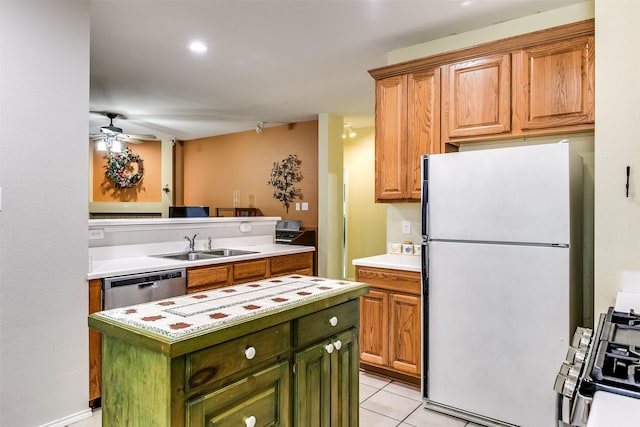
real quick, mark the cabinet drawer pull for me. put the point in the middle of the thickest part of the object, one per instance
(250, 353)
(333, 321)
(250, 422)
(329, 348)
(337, 345)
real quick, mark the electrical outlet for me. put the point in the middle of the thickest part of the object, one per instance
(297, 206)
(406, 227)
(305, 206)
(97, 233)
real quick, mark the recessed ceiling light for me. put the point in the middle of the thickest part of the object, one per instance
(198, 47)
(466, 3)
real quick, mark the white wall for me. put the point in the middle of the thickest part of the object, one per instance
(617, 218)
(44, 87)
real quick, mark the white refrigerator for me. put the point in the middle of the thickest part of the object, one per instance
(502, 280)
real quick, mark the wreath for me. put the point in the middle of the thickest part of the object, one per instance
(119, 168)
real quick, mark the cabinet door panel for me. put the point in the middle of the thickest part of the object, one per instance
(345, 380)
(423, 124)
(246, 271)
(556, 84)
(312, 387)
(208, 277)
(477, 97)
(374, 328)
(391, 138)
(291, 264)
(404, 337)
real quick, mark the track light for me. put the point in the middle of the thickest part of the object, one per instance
(259, 127)
(348, 132)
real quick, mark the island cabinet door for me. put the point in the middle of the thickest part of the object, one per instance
(326, 382)
(261, 399)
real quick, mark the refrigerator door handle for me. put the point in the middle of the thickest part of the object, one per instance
(425, 196)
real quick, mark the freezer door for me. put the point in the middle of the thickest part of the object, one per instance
(498, 327)
(517, 194)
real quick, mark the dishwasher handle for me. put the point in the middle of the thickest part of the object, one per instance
(152, 285)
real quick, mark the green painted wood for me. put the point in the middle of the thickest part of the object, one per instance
(146, 380)
(136, 386)
(312, 387)
(345, 380)
(264, 396)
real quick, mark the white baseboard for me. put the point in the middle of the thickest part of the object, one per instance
(63, 422)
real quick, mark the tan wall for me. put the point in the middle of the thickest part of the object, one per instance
(148, 190)
(216, 166)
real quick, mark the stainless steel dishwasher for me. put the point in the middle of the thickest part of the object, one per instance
(132, 289)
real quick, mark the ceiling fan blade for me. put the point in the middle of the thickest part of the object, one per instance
(141, 137)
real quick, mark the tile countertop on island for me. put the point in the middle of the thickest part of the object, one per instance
(391, 261)
(141, 264)
(174, 320)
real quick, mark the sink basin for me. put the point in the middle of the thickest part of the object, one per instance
(187, 256)
(200, 255)
(226, 252)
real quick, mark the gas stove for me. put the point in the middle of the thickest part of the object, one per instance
(605, 361)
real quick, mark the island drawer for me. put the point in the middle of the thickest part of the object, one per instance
(214, 363)
(260, 399)
(325, 323)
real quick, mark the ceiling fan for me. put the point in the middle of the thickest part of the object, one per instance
(111, 138)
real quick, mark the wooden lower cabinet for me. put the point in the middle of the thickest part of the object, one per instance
(95, 344)
(291, 264)
(326, 382)
(390, 323)
(209, 277)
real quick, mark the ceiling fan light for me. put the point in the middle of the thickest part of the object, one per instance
(101, 145)
(116, 146)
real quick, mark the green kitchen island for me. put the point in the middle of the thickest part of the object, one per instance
(277, 352)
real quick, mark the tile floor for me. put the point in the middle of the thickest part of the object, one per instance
(383, 403)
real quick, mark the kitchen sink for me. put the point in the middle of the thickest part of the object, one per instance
(187, 256)
(200, 255)
(226, 252)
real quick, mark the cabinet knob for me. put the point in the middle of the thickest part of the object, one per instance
(250, 422)
(250, 353)
(329, 348)
(337, 345)
(333, 321)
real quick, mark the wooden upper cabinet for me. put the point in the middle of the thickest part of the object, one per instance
(423, 124)
(555, 84)
(391, 131)
(407, 126)
(476, 97)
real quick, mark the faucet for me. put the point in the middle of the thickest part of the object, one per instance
(192, 242)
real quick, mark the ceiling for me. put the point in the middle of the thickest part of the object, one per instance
(272, 61)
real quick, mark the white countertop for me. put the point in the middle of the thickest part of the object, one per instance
(141, 264)
(392, 261)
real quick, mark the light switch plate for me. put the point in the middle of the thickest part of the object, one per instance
(305, 206)
(297, 206)
(406, 227)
